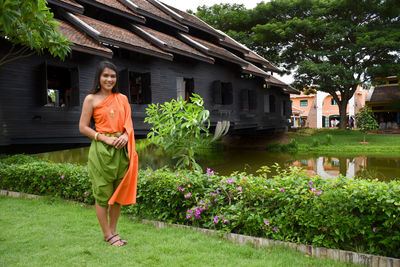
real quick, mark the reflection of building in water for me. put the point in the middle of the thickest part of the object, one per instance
(332, 167)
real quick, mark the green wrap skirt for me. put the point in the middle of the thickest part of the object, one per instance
(106, 166)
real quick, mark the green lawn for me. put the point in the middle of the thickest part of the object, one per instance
(345, 141)
(48, 232)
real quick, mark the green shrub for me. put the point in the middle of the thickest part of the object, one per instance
(328, 139)
(315, 142)
(343, 213)
(34, 176)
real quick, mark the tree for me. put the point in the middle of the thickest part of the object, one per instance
(178, 126)
(331, 45)
(30, 27)
(365, 120)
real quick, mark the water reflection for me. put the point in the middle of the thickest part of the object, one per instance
(224, 162)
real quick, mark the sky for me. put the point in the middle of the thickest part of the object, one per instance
(193, 4)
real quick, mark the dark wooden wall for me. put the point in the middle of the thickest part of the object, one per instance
(24, 121)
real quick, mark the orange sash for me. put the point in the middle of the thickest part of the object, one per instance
(112, 115)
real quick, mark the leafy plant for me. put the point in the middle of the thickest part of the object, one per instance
(30, 27)
(180, 128)
(365, 120)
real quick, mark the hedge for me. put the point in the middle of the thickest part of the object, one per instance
(357, 215)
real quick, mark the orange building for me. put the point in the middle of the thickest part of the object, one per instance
(320, 110)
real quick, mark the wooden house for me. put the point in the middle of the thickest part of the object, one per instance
(161, 53)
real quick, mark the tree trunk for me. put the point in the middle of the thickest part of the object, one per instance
(342, 112)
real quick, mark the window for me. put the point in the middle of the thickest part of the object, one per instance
(222, 93)
(60, 86)
(333, 102)
(303, 103)
(184, 88)
(248, 99)
(136, 86)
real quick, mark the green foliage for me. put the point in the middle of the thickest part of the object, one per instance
(30, 27)
(365, 120)
(343, 213)
(290, 147)
(179, 127)
(328, 139)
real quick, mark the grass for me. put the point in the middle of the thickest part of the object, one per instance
(334, 140)
(51, 232)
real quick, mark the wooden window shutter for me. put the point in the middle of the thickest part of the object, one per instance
(266, 103)
(123, 83)
(244, 99)
(180, 88)
(272, 103)
(217, 92)
(75, 99)
(252, 99)
(227, 94)
(42, 95)
(146, 87)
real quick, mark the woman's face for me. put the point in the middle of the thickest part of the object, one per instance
(108, 79)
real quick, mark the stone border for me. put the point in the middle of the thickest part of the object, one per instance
(318, 252)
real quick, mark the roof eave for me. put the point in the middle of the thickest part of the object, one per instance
(92, 51)
(139, 19)
(70, 8)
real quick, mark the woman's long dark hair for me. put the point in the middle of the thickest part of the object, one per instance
(96, 83)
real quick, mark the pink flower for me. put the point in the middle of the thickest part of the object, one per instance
(310, 182)
(177, 174)
(148, 175)
(188, 195)
(217, 192)
(221, 181)
(190, 211)
(239, 188)
(225, 221)
(62, 176)
(188, 216)
(86, 193)
(319, 193)
(266, 222)
(265, 187)
(210, 172)
(281, 189)
(373, 229)
(312, 189)
(44, 176)
(215, 219)
(201, 202)
(180, 188)
(275, 228)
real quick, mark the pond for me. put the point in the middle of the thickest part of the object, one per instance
(226, 161)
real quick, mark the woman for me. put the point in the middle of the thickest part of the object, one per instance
(113, 161)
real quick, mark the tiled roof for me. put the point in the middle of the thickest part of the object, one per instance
(68, 4)
(147, 9)
(123, 38)
(193, 21)
(274, 81)
(81, 41)
(172, 44)
(117, 7)
(212, 49)
(232, 43)
(385, 93)
(253, 57)
(251, 69)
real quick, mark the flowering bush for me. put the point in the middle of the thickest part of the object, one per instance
(343, 213)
